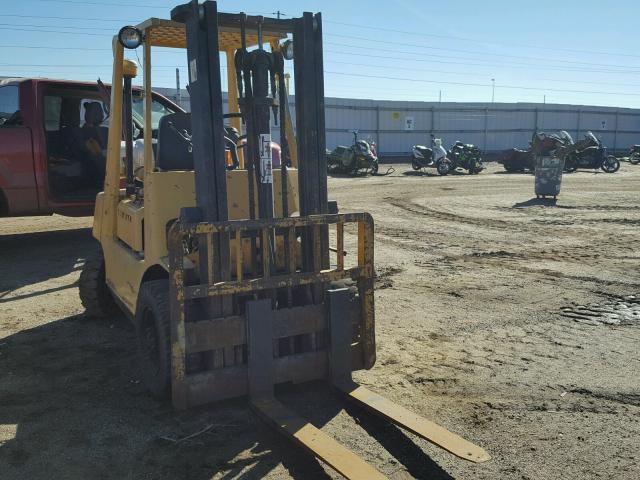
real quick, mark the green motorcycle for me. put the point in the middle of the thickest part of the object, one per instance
(466, 156)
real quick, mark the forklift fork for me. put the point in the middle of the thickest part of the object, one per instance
(341, 459)
(340, 371)
(338, 457)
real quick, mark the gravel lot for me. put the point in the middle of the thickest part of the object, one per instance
(513, 323)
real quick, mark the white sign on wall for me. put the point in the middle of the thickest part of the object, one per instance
(409, 123)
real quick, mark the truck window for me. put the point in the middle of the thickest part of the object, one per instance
(83, 102)
(9, 102)
(52, 110)
(76, 133)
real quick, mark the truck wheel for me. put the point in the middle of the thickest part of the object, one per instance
(154, 336)
(94, 293)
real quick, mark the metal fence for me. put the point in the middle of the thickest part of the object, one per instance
(396, 126)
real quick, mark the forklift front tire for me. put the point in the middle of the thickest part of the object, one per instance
(153, 337)
(94, 293)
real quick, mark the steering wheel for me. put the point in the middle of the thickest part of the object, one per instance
(232, 143)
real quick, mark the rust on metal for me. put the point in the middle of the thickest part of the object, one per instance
(340, 246)
(239, 258)
(177, 314)
(277, 281)
(222, 342)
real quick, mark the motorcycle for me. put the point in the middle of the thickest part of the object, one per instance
(634, 154)
(434, 156)
(360, 156)
(589, 153)
(550, 145)
(466, 156)
(517, 160)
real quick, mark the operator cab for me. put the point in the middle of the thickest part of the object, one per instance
(163, 154)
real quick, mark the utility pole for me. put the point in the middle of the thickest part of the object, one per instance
(278, 14)
(440, 97)
(178, 93)
(493, 89)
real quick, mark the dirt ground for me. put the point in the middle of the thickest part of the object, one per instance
(512, 323)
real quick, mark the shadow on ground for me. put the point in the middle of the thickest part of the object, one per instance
(504, 172)
(37, 257)
(537, 202)
(79, 411)
(73, 402)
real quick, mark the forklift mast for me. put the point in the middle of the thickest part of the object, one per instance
(257, 72)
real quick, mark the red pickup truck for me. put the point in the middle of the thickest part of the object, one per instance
(53, 140)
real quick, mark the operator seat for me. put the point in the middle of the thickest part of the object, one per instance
(174, 150)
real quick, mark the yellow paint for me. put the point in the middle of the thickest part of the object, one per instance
(133, 232)
(129, 69)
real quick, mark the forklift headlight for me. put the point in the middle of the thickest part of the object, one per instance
(130, 37)
(287, 49)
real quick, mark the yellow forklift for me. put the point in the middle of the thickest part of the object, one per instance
(227, 274)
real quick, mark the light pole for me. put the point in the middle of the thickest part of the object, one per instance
(493, 89)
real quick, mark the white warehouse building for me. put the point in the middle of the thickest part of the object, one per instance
(397, 125)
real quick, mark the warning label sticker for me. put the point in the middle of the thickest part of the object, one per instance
(266, 164)
(193, 71)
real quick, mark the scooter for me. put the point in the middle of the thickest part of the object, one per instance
(634, 155)
(590, 153)
(436, 156)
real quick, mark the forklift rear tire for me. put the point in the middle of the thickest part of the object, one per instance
(153, 337)
(94, 293)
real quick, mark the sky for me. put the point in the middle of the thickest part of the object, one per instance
(575, 52)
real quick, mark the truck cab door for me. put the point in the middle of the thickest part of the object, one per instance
(17, 176)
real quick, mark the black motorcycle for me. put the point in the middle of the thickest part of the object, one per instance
(466, 156)
(359, 157)
(634, 154)
(590, 153)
